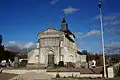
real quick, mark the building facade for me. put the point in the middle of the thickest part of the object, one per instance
(56, 45)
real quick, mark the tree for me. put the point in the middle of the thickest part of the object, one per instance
(84, 52)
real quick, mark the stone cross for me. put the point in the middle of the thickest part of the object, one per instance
(50, 26)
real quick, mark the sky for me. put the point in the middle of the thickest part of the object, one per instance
(21, 20)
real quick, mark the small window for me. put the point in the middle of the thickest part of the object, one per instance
(61, 57)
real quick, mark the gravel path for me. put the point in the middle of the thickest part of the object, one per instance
(33, 76)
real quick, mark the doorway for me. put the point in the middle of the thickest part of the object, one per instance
(50, 59)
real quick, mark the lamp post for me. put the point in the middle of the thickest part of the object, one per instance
(102, 36)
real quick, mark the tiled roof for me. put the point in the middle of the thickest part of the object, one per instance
(14, 51)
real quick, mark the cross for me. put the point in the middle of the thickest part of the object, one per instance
(50, 26)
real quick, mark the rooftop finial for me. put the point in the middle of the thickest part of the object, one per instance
(50, 26)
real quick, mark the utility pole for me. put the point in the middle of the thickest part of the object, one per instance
(102, 36)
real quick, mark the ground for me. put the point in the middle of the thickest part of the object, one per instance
(6, 76)
(117, 78)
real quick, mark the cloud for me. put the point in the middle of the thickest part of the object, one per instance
(114, 45)
(53, 2)
(116, 22)
(28, 45)
(70, 10)
(96, 17)
(111, 19)
(78, 34)
(13, 45)
(111, 22)
(114, 30)
(11, 42)
(113, 48)
(91, 33)
(106, 18)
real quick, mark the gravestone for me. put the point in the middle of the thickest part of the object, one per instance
(16, 62)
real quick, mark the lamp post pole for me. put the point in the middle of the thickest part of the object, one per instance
(102, 36)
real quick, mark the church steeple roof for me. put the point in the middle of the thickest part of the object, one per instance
(63, 20)
(64, 27)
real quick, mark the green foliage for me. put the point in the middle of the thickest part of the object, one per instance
(6, 55)
(84, 52)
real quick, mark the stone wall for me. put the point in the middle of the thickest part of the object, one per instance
(114, 70)
(62, 74)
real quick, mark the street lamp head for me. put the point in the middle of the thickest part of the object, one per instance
(100, 4)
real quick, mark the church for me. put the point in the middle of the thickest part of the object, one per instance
(54, 46)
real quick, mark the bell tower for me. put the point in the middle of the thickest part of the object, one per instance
(64, 25)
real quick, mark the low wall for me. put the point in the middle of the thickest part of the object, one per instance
(17, 71)
(114, 70)
(110, 72)
(62, 74)
(75, 74)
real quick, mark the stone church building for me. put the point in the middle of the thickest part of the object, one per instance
(54, 46)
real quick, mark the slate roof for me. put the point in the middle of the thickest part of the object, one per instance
(14, 51)
(69, 38)
(68, 32)
(63, 20)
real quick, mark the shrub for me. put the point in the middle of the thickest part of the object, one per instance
(61, 64)
(57, 75)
